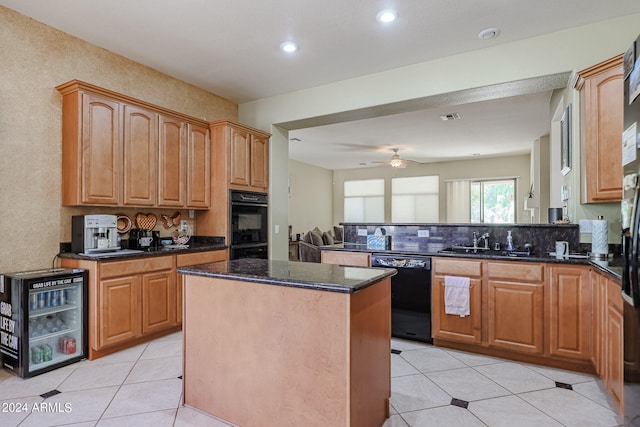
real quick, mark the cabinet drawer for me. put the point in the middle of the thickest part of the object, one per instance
(135, 266)
(201, 258)
(522, 272)
(457, 267)
(358, 259)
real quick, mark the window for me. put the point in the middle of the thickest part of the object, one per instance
(364, 200)
(415, 199)
(492, 201)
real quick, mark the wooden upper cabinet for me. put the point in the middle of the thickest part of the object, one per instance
(248, 156)
(198, 167)
(91, 149)
(259, 161)
(601, 117)
(100, 150)
(171, 162)
(240, 169)
(119, 151)
(140, 153)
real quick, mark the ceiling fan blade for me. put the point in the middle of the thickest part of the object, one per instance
(412, 162)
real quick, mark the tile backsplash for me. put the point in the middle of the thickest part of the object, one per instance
(434, 237)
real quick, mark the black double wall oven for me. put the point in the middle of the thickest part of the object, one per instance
(249, 226)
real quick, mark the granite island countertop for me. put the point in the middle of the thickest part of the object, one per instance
(326, 277)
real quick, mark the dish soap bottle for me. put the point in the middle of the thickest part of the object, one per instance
(509, 245)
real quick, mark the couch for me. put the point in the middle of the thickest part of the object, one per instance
(309, 246)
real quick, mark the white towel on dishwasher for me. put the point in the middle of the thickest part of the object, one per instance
(456, 295)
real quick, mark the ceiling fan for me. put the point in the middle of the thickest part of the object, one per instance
(397, 162)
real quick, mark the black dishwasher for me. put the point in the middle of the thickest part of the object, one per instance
(410, 295)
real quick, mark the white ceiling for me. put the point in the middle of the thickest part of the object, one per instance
(231, 48)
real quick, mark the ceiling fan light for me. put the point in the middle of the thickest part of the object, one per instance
(395, 163)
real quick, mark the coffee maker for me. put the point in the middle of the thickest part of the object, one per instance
(141, 238)
(94, 233)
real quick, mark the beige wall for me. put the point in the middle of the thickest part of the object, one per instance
(310, 197)
(35, 59)
(509, 166)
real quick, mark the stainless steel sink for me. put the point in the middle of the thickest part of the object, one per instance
(482, 251)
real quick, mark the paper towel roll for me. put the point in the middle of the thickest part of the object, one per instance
(600, 236)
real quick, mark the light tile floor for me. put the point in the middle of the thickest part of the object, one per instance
(141, 386)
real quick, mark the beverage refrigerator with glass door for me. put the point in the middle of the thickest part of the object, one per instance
(43, 322)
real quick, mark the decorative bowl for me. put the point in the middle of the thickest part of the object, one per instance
(181, 237)
(180, 240)
(166, 241)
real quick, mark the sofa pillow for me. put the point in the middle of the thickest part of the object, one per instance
(328, 238)
(316, 238)
(307, 238)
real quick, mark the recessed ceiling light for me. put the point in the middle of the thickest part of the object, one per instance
(386, 16)
(289, 47)
(489, 33)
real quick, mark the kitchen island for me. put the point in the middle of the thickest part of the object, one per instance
(287, 343)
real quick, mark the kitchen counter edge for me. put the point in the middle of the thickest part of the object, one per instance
(196, 247)
(324, 277)
(615, 271)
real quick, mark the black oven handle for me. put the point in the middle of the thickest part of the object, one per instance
(259, 205)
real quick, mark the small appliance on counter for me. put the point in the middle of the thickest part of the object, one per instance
(140, 238)
(94, 233)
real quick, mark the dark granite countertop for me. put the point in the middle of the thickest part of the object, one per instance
(613, 266)
(325, 277)
(149, 252)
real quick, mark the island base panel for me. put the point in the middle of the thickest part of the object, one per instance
(286, 356)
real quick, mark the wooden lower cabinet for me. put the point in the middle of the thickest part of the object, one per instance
(598, 322)
(614, 344)
(467, 329)
(569, 305)
(515, 306)
(515, 320)
(534, 312)
(356, 259)
(134, 300)
(568, 316)
(119, 311)
(158, 301)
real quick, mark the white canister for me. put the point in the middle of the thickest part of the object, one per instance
(562, 249)
(600, 236)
